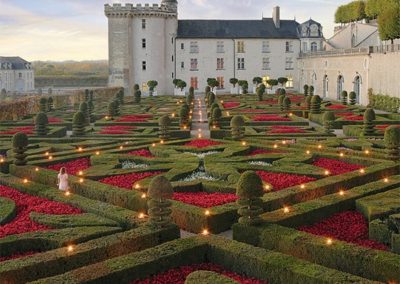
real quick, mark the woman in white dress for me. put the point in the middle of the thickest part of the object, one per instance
(63, 180)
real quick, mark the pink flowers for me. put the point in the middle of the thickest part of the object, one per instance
(25, 205)
(337, 107)
(135, 118)
(204, 199)
(270, 117)
(117, 129)
(348, 226)
(282, 129)
(127, 181)
(202, 143)
(336, 167)
(229, 105)
(179, 275)
(280, 181)
(141, 153)
(28, 130)
(72, 167)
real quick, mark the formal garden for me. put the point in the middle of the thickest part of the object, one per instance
(282, 187)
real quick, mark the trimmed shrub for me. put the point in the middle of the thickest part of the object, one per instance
(260, 93)
(111, 109)
(92, 117)
(159, 191)
(392, 142)
(164, 122)
(305, 88)
(41, 124)
(286, 103)
(207, 89)
(343, 96)
(78, 124)
(50, 104)
(211, 98)
(315, 104)
(352, 98)
(311, 91)
(237, 127)
(328, 119)
(43, 104)
(233, 81)
(117, 107)
(87, 95)
(120, 96)
(138, 96)
(250, 190)
(184, 115)
(282, 92)
(20, 144)
(369, 125)
(308, 102)
(85, 110)
(282, 80)
(216, 116)
(280, 101)
(191, 91)
(152, 84)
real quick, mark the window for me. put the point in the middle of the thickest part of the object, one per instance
(143, 23)
(220, 47)
(304, 47)
(183, 65)
(266, 64)
(221, 82)
(194, 47)
(144, 65)
(314, 47)
(289, 63)
(240, 47)
(193, 64)
(241, 63)
(289, 83)
(194, 83)
(182, 46)
(289, 46)
(172, 40)
(20, 75)
(172, 58)
(265, 47)
(220, 63)
(143, 43)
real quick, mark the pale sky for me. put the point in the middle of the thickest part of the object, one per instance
(77, 29)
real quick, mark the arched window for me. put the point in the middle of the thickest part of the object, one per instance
(289, 83)
(314, 47)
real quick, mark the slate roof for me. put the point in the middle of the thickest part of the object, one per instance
(17, 63)
(264, 28)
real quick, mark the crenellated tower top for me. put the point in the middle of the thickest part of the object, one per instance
(168, 8)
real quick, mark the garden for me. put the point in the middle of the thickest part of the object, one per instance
(286, 188)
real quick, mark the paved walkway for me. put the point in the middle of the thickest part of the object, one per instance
(200, 127)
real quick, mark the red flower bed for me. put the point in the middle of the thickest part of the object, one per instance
(55, 120)
(229, 105)
(179, 275)
(25, 205)
(127, 181)
(72, 167)
(202, 143)
(336, 167)
(141, 153)
(282, 180)
(296, 99)
(252, 110)
(350, 116)
(28, 130)
(256, 152)
(337, 107)
(17, 255)
(348, 226)
(281, 129)
(384, 126)
(270, 117)
(135, 118)
(204, 199)
(341, 114)
(116, 129)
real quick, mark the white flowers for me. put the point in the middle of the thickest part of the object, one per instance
(260, 163)
(126, 165)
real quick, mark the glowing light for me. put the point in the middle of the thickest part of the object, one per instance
(319, 146)
(80, 149)
(153, 145)
(286, 209)
(366, 152)
(214, 127)
(290, 114)
(70, 248)
(126, 143)
(81, 180)
(50, 157)
(308, 152)
(386, 180)
(67, 193)
(141, 215)
(199, 135)
(1, 160)
(173, 115)
(222, 102)
(121, 147)
(25, 180)
(36, 169)
(80, 173)
(47, 153)
(144, 195)
(207, 213)
(303, 186)
(329, 241)
(227, 113)
(284, 142)
(137, 186)
(341, 192)
(244, 143)
(341, 154)
(267, 187)
(362, 171)
(275, 146)
(327, 173)
(185, 127)
(107, 117)
(97, 153)
(162, 142)
(205, 232)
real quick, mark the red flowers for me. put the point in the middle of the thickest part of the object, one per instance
(350, 116)
(252, 110)
(270, 117)
(281, 129)
(281, 180)
(348, 226)
(256, 152)
(337, 107)
(204, 199)
(135, 118)
(229, 105)
(28, 130)
(116, 129)
(54, 120)
(179, 275)
(336, 167)
(17, 255)
(25, 205)
(141, 153)
(127, 181)
(202, 143)
(72, 167)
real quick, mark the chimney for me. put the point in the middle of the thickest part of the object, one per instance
(276, 16)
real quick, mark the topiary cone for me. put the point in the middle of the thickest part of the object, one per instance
(164, 122)
(41, 124)
(43, 105)
(78, 124)
(392, 142)
(328, 119)
(237, 127)
(20, 144)
(159, 191)
(315, 104)
(83, 107)
(369, 124)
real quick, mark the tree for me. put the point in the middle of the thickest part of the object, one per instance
(260, 93)
(213, 83)
(181, 85)
(343, 96)
(184, 115)
(41, 124)
(351, 12)
(250, 190)
(164, 122)
(272, 83)
(305, 88)
(85, 110)
(112, 109)
(211, 99)
(352, 98)
(392, 142)
(92, 117)
(328, 119)
(152, 84)
(244, 85)
(316, 104)
(369, 124)
(78, 124)
(216, 116)
(138, 96)
(286, 103)
(237, 127)
(373, 8)
(282, 80)
(43, 104)
(50, 104)
(159, 192)
(257, 80)
(311, 91)
(175, 82)
(20, 144)
(389, 21)
(233, 81)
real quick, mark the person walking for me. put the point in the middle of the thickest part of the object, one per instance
(63, 180)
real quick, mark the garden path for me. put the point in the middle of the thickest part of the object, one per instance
(200, 120)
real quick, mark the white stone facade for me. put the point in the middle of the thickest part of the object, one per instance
(16, 75)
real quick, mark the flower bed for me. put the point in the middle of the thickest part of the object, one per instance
(28, 130)
(55, 120)
(256, 152)
(17, 255)
(350, 116)
(348, 226)
(336, 107)
(25, 205)
(229, 105)
(116, 129)
(202, 143)
(141, 153)
(127, 181)
(383, 127)
(179, 275)
(336, 167)
(268, 102)
(280, 181)
(282, 129)
(270, 117)
(72, 167)
(204, 199)
(135, 118)
(252, 110)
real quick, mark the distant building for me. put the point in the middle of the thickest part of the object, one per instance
(16, 75)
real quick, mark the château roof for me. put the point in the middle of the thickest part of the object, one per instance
(14, 63)
(264, 28)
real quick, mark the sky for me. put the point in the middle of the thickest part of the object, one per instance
(77, 29)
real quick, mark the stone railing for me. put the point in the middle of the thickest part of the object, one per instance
(353, 51)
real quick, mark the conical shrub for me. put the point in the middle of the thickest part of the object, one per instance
(20, 144)
(41, 124)
(159, 192)
(79, 124)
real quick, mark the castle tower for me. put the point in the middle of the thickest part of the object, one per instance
(142, 45)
